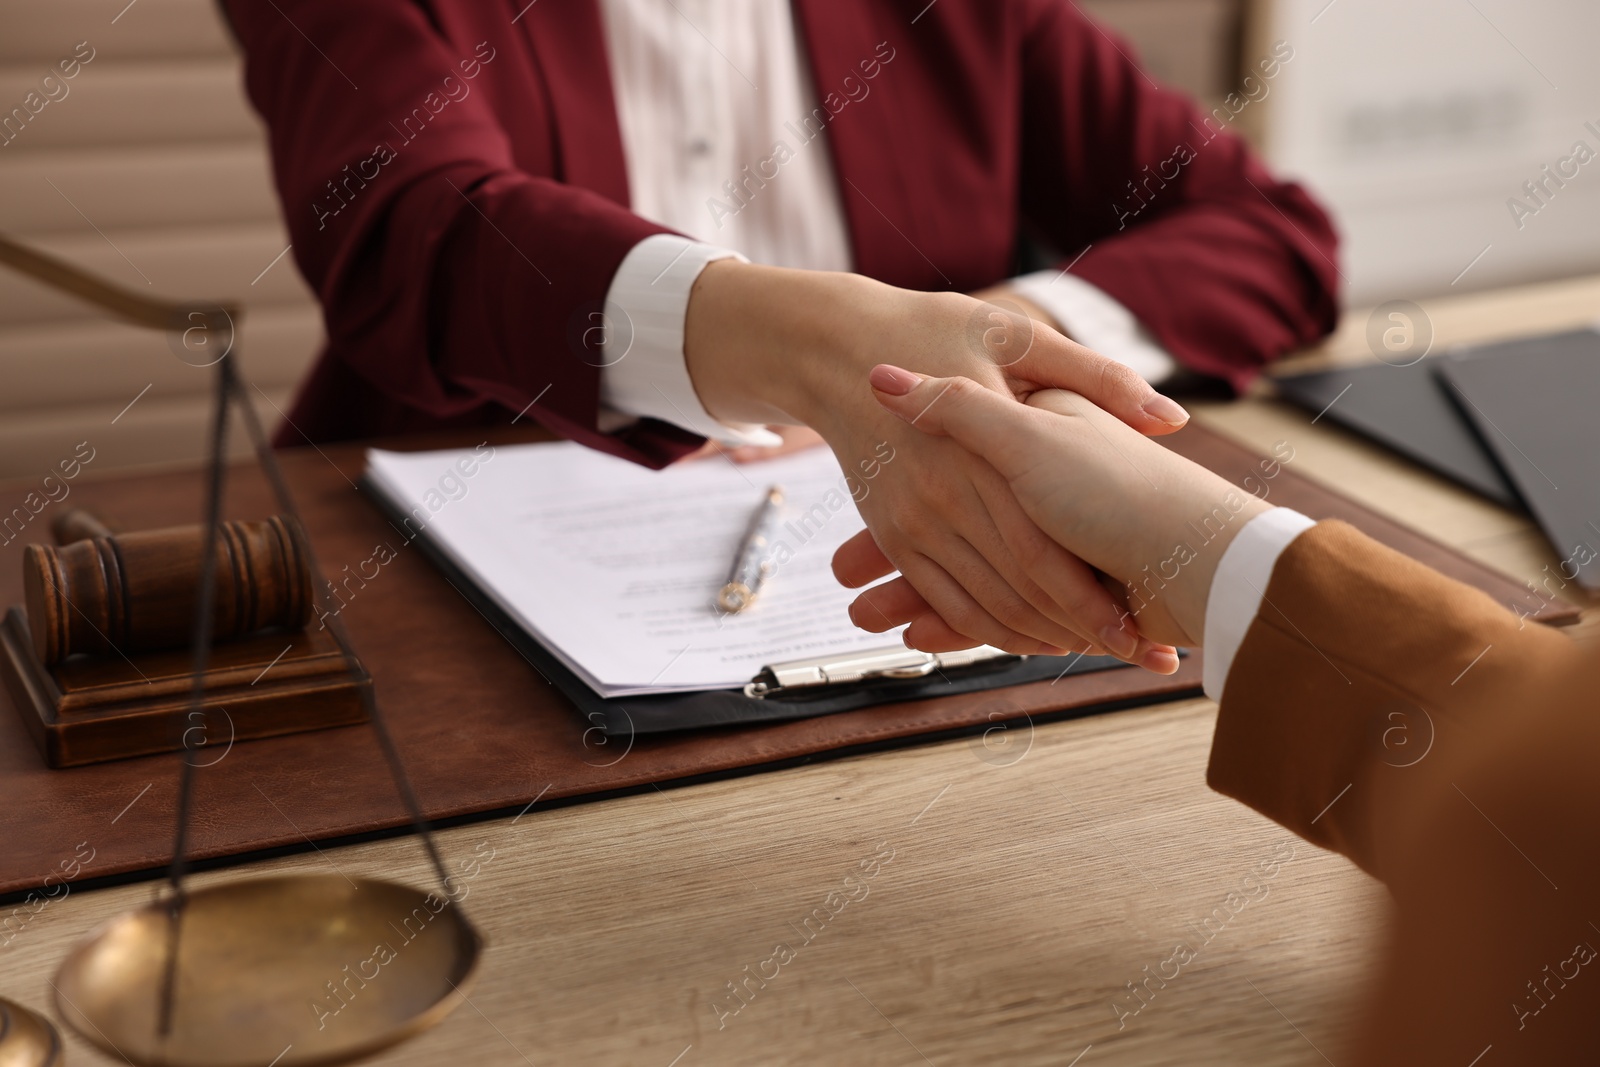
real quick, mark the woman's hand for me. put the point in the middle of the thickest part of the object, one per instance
(769, 345)
(1153, 521)
(1009, 299)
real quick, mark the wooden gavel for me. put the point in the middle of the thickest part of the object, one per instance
(104, 593)
(94, 661)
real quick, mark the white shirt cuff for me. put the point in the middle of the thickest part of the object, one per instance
(1238, 586)
(645, 310)
(1096, 320)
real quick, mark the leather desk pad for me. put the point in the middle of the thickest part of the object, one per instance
(481, 732)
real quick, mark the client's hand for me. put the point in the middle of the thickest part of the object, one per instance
(1151, 520)
(767, 345)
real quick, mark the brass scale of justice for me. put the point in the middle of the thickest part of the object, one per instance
(222, 975)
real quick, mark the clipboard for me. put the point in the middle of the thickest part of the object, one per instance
(636, 716)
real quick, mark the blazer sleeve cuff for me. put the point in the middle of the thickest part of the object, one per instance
(1238, 586)
(1097, 320)
(645, 309)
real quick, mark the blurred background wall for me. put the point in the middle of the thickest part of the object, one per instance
(151, 171)
(1417, 121)
(1420, 122)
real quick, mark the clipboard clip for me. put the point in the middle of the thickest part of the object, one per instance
(846, 669)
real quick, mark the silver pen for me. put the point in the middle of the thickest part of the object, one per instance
(896, 662)
(752, 565)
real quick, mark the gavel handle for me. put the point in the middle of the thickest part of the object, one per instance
(79, 524)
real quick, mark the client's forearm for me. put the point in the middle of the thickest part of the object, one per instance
(1156, 522)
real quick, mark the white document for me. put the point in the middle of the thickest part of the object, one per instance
(614, 568)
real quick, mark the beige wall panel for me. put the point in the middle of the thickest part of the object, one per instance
(1188, 44)
(135, 188)
(152, 172)
(112, 102)
(156, 430)
(146, 29)
(62, 364)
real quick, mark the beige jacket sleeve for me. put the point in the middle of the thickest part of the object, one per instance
(1451, 749)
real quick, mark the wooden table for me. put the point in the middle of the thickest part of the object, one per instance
(1034, 874)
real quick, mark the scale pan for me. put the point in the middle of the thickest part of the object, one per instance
(27, 1039)
(290, 970)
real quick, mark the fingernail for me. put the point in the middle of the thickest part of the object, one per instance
(1166, 409)
(893, 380)
(1161, 661)
(1120, 642)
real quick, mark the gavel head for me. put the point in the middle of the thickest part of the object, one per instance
(139, 592)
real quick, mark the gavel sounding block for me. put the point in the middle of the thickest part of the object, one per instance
(100, 666)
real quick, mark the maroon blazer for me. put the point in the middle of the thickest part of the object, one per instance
(455, 187)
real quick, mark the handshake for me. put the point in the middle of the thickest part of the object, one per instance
(1026, 508)
(1086, 530)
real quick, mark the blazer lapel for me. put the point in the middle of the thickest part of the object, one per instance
(881, 206)
(867, 137)
(566, 37)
